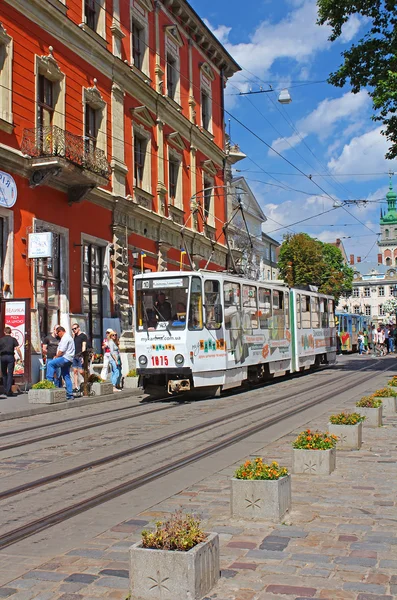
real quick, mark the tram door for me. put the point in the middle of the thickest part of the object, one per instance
(15, 313)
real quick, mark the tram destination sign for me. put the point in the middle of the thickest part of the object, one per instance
(173, 282)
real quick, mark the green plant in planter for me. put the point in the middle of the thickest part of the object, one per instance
(384, 393)
(368, 402)
(131, 373)
(346, 419)
(44, 385)
(257, 469)
(179, 532)
(315, 440)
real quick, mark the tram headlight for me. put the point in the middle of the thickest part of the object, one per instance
(142, 360)
(179, 360)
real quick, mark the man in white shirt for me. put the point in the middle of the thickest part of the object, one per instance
(63, 360)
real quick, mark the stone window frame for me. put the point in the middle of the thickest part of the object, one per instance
(172, 45)
(173, 155)
(86, 238)
(93, 98)
(49, 68)
(6, 59)
(206, 79)
(100, 28)
(368, 311)
(381, 290)
(139, 15)
(356, 292)
(142, 132)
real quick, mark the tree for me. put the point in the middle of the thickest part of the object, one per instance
(306, 261)
(372, 62)
(390, 307)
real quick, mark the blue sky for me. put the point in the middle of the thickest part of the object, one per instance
(326, 132)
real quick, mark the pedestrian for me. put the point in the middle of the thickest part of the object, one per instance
(80, 346)
(366, 341)
(50, 348)
(115, 361)
(106, 354)
(391, 338)
(8, 345)
(386, 334)
(360, 342)
(63, 360)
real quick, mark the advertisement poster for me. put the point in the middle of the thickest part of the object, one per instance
(15, 317)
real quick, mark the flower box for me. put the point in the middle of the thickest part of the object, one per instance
(314, 462)
(260, 499)
(349, 436)
(389, 404)
(373, 416)
(131, 383)
(172, 574)
(102, 389)
(54, 396)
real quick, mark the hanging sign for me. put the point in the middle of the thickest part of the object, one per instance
(15, 317)
(40, 245)
(8, 190)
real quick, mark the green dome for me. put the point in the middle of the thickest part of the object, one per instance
(390, 218)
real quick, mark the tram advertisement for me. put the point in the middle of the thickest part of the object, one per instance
(15, 317)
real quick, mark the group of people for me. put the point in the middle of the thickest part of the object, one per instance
(380, 340)
(65, 353)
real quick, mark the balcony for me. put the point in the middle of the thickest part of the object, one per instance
(71, 160)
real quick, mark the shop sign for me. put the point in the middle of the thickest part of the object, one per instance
(15, 317)
(40, 245)
(8, 190)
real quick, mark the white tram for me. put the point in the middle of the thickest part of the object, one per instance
(204, 329)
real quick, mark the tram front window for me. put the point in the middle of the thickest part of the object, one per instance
(162, 303)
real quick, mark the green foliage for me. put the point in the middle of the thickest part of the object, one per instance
(131, 373)
(93, 378)
(393, 381)
(306, 261)
(371, 62)
(256, 469)
(315, 440)
(368, 402)
(44, 385)
(346, 419)
(179, 532)
(384, 393)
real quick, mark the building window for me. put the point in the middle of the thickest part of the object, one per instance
(367, 292)
(367, 310)
(45, 113)
(139, 160)
(173, 174)
(91, 127)
(94, 120)
(356, 292)
(48, 283)
(206, 79)
(172, 76)
(138, 44)
(208, 189)
(356, 310)
(6, 51)
(205, 110)
(92, 293)
(387, 234)
(381, 311)
(381, 290)
(388, 262)
(90, 14)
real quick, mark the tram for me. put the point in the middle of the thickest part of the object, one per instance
(349, 325)
(204, 329)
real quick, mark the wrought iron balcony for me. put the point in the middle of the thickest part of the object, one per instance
(52, 141)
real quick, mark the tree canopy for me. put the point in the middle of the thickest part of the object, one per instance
(371, 63)
(306, 261)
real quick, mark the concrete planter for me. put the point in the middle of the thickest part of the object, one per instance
(260, 499)
(373, 416)
(350, 437)
(131, 383)
(314, 462)
(47, 396)
(388, 405)
(102, 389)
(174, 575)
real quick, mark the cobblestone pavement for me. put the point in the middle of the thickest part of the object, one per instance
(338, 543)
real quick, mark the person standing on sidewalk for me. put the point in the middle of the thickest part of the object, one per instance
(63, 360)
(115, 361)
(8, 345)
(50, 348)
(80, 346)
(386, 334)
(106, 355)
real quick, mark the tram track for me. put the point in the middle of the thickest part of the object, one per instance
(35, 526)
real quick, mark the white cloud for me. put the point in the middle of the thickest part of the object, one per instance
(221, 32)
(363, 154)
(330, 235)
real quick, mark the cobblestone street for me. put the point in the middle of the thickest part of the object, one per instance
(338, 543)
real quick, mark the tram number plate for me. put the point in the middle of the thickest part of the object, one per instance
(159, 361)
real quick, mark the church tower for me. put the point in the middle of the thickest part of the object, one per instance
(388, 230)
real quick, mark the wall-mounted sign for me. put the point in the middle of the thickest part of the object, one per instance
(40, 245)
(8, 190)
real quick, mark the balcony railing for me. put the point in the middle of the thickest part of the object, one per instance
(53, 141)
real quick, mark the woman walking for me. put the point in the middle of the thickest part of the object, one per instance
(115, 360)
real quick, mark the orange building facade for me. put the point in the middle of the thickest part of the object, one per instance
(112, 141)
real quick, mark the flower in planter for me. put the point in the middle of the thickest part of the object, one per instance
(179, 532)
(368, 402)
(393, 381)
(315, 440)
(44, 385)
(257, 469)
(346, 419)
(384, 393)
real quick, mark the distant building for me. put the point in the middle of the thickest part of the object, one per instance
(339, 244)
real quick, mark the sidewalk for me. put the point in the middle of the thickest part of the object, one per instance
(339, 542)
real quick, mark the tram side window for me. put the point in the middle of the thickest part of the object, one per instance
(286, 306)
(195, 321)
(305, 311)
(212, 296)
(331, 313)
(315, 312)
(298, 311)
(324, 312)
(278, 310)
(265, 308)
(354, 324)
(250, 309)
(232, 303)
